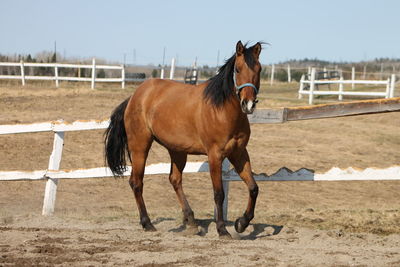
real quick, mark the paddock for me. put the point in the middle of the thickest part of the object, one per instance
(95, 220)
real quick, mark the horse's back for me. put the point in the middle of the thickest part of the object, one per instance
(171, 111)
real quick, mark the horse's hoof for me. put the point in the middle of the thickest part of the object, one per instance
(241, 224)
(223, 233)
(225, 236)
(149, 228)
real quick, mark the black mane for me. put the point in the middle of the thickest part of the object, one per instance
(220, 87)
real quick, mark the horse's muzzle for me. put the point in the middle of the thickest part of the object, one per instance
(248, 106)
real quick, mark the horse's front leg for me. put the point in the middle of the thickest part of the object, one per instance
(215, 162)
(241, 161)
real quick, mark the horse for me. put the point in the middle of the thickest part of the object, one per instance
(206, 119)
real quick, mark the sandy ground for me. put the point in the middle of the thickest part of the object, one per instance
(296, 223)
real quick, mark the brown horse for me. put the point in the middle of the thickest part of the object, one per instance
(208, 119)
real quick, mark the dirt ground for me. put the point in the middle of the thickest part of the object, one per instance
(296, 223)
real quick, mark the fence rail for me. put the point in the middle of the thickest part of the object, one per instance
(312, 83)
(53, 174)
(93, 67)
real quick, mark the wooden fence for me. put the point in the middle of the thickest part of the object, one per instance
(53, 174)
(312, 83)
(56, 78)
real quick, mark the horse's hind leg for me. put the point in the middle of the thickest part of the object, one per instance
(178, 162)
(139, 146)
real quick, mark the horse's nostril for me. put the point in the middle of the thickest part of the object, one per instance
(243, 104)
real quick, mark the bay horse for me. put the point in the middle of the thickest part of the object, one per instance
(206, 119)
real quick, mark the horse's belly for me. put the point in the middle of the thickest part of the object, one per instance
(178, 142)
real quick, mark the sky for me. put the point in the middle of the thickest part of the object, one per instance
(138, 31)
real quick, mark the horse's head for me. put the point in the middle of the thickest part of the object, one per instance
(246, 76)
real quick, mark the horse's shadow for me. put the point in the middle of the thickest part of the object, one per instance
(259, 230)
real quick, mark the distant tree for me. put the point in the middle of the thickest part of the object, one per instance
(101, 73)
(296, 75)
(206, 74)
(54, 57)
(281, 75)
(264, 74)
(154, 73)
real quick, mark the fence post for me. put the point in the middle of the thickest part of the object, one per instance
(301, 86)
(388, 84)
(341, 89)
(353, 76)
(162, 73)
(289, 75)
(392, 84)
(312, 85)
(325, 74)
(22, 73)
(272, 74)
(56, 74)
(172, 72)
(51, 184)
(93, 73)
(123, 76)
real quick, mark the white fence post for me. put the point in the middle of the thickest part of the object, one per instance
(301, 86)
(56, 74)
(312, 85)
(272, 74)
(123, 76)
(388, 85)
(392, 85)
(325, 73)
(289, 75)
(22, 73)
(172, 72)
(341, 89)
(51, 184)
(353, 76)
(93, 73)
(162, 73)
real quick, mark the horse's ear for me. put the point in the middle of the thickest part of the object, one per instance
(239, 48)
(257, 49)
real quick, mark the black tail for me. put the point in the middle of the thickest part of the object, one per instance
(115, 141)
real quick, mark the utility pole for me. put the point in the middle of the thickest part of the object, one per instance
(162, 66)
(163, 58)
(55, 51)
(217, 60)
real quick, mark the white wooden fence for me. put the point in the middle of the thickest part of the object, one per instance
(93, 67)
(53, 174)
(388, 93)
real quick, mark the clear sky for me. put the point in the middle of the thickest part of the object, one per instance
(339, 30)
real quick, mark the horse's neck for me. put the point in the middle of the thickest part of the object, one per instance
(232, 110)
